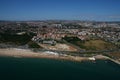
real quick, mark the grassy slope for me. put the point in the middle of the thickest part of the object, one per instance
(91, 44)
(98, 45)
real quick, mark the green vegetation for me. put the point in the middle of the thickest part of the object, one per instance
(99, 45)
(117, 44)
(71, 24)
(60, 41)
(15, 39)
(75, 41)
(90, 44)
(32, 44)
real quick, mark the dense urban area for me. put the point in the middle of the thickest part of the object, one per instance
(77, 38)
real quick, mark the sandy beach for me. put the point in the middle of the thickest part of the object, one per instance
(19, 53)
(27, 53)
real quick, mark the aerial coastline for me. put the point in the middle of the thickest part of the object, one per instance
(59, 39)
(20, 53)
(27, 53)
(68, 40)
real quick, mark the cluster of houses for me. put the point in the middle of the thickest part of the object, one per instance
(111, 36)
(49, 35)
(49, 31)
(57, 34)
(44, 41)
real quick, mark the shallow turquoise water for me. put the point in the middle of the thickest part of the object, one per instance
(48, 69)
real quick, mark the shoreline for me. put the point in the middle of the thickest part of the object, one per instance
(27, 53)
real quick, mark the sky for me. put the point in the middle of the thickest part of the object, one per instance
(94, 10)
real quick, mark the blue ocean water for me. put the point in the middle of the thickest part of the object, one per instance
(50, 69)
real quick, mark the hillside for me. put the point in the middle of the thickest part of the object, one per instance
(90, 44)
